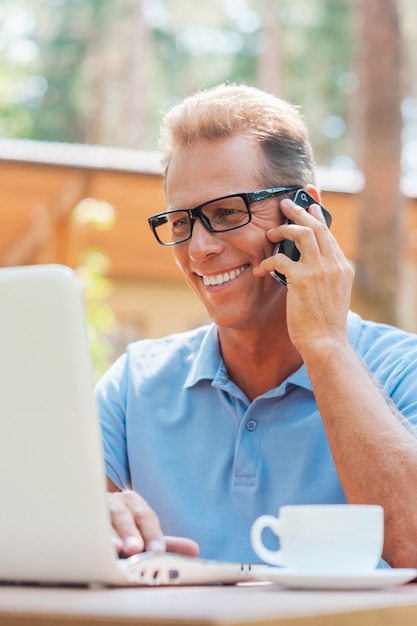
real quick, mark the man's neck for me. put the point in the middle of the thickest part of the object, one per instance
(258, 361)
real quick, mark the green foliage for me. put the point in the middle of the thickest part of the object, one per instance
(72, 45)
(100, 317)
(318, 41)
(97, 287)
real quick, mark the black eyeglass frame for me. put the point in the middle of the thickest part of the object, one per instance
(249, 198)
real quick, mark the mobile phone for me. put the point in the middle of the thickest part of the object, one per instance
(287, 247)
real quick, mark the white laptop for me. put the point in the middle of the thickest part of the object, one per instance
(54, 523)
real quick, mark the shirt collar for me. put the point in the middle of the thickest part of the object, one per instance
(208, 362)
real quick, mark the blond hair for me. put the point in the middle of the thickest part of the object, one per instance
(227, 110)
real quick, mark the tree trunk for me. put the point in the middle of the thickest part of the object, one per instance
(380, 204)
(140, 68)
(270, 58)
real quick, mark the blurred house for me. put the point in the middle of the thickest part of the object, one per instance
(59, 202)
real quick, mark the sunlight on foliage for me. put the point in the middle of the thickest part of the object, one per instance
(98, 213)
(97, 287)
(100, 317)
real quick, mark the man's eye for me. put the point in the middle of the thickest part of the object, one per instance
(180, 223)
(222, 213)
(229, 215)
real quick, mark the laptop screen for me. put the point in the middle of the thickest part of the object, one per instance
(54, 520)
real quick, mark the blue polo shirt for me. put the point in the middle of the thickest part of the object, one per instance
(181, 433)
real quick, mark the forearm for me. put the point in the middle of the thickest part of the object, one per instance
(374, 450)
(111, 486)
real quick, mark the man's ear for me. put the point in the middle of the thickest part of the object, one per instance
(313, 191)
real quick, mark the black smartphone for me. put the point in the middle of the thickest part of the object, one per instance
(287, 247)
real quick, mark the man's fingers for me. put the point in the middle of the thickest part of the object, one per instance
(136, 528)
(147, 522)
(182, 545)
(135, 523)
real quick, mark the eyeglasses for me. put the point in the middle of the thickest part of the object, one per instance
(218, 216)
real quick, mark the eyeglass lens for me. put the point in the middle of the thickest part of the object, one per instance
(219, 215)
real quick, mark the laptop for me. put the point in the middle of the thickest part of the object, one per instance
(54, 522)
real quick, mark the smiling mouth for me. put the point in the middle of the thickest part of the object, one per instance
(221, 279)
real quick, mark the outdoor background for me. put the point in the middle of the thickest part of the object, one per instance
(104, 71)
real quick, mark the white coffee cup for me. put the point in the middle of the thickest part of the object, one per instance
(323, 538)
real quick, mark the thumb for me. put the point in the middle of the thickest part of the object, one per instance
(181, 545)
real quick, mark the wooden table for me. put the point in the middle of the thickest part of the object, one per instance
(258, 604)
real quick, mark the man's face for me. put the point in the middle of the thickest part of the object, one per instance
(218, 266)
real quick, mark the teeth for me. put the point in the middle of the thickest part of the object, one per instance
(220, 279)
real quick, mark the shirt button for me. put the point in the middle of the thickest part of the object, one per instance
(251, 425)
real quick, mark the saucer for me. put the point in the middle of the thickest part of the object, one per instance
(377, 579)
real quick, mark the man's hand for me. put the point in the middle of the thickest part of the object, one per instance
(319, 284)
(136, 527)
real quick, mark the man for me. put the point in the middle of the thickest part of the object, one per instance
(287, 397)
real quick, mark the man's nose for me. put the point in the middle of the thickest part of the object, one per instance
(203, 242)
